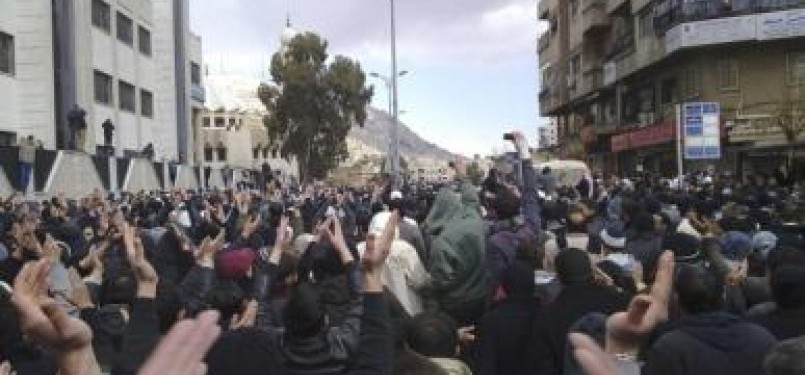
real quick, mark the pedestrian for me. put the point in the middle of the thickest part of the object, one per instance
(27, 158)
(76, 119)
(108, 132)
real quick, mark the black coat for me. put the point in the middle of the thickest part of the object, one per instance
(710, 343)
(783, 323)
(549, 337)
(504, 334)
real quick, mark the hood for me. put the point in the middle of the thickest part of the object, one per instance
(716, 329)
(446, 207)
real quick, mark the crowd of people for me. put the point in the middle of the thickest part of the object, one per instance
(521, 275)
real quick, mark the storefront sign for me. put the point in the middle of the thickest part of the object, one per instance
(650, 136)
(715, 31)
(778, 25)
(702, 129)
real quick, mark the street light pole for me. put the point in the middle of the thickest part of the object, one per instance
(394, 133)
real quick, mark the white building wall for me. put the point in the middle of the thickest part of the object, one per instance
(162, 40)
(8, 83)
(33, 30)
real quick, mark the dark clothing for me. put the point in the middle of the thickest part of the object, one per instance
(503, 334)
(644, 247)
(547, 349)
(376, 348)
(710, 343)
(142, 336)
(783, 323)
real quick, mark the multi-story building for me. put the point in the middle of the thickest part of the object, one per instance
(130, 62)
(547, 136)
(230, 130)
(613, 72)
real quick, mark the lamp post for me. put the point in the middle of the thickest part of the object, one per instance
(394, 141)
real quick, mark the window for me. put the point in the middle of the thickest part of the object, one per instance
(221, 153)
(147, 103)
(728, 74)
(256, 153)
(144, 40)
(127, 101)
(195, 73)
(207, 153)
(219, 122)
(265, 153)
(205, 122)
(6, 53)
(668, 91)
(101, 15)
(232, 123)
(574, 8)
(274, 153)
(103, 88)
(125, 29)
(796, 67)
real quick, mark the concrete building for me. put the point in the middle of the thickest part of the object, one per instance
(548, 136)
(131, 62)
(612, 72)
(230, 129)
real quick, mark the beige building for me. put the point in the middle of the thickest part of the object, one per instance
(230, 130)
(612, 72)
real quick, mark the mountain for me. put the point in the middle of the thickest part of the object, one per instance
(373, 139)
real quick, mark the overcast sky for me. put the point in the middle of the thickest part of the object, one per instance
(472, 63)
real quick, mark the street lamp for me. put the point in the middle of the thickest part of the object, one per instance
(394, 141)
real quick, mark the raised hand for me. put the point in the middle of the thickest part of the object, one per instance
(247, 318)
(209, 248)
(181, 352)
(592, 359)
(143, 270)
(5, 369)
(250, 226)
(336, 238)
(376, 253)
(47, 324)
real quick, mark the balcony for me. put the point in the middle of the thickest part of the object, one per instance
(198, 93)
(544, 9)
(544, 41)
(592, 80)
(624, 44)
(614, 6)
(670, 13)
(593, 16)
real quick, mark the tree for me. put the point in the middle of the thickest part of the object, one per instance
(314, 104)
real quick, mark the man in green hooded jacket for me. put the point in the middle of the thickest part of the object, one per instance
(455, 231)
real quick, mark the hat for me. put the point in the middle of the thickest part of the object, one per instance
(735, 245)
(378, 223)
(763, 243)
(234, 264)
(573, 267)
(613, 236)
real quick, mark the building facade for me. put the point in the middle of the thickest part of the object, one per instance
(130, 62)
(230, 131)
(613, 71)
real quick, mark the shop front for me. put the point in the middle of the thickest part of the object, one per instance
(649, 149)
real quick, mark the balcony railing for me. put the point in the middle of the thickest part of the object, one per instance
(592, 80)
(669, 13)
(624, 44)
(594, 15)
(544, 41)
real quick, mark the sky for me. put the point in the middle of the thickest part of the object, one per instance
(472, 63)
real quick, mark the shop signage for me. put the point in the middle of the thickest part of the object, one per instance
(701, 127)
(650, 136)
(778, 25)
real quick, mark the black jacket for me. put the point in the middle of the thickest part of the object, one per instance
(710, 343)
(783, 323)
(503, 334)
(547, 347)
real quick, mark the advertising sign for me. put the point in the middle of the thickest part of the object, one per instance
(701, 127)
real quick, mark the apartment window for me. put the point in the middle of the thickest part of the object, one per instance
(221, 153)
(125, 29)
(101, 15)
(6, 53)
(195, 73)
(256, 153)
(232, 123)
(728, 74)
(126, 93)
(208, 153)
(219, 122)
(274, 153)
(205, 122)
(147, 103)
(265, 153)
(796, 67)
(575, 65)
(144, 40)
(574, 8)
(103, 88)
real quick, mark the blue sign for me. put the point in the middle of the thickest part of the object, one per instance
(701, 129)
